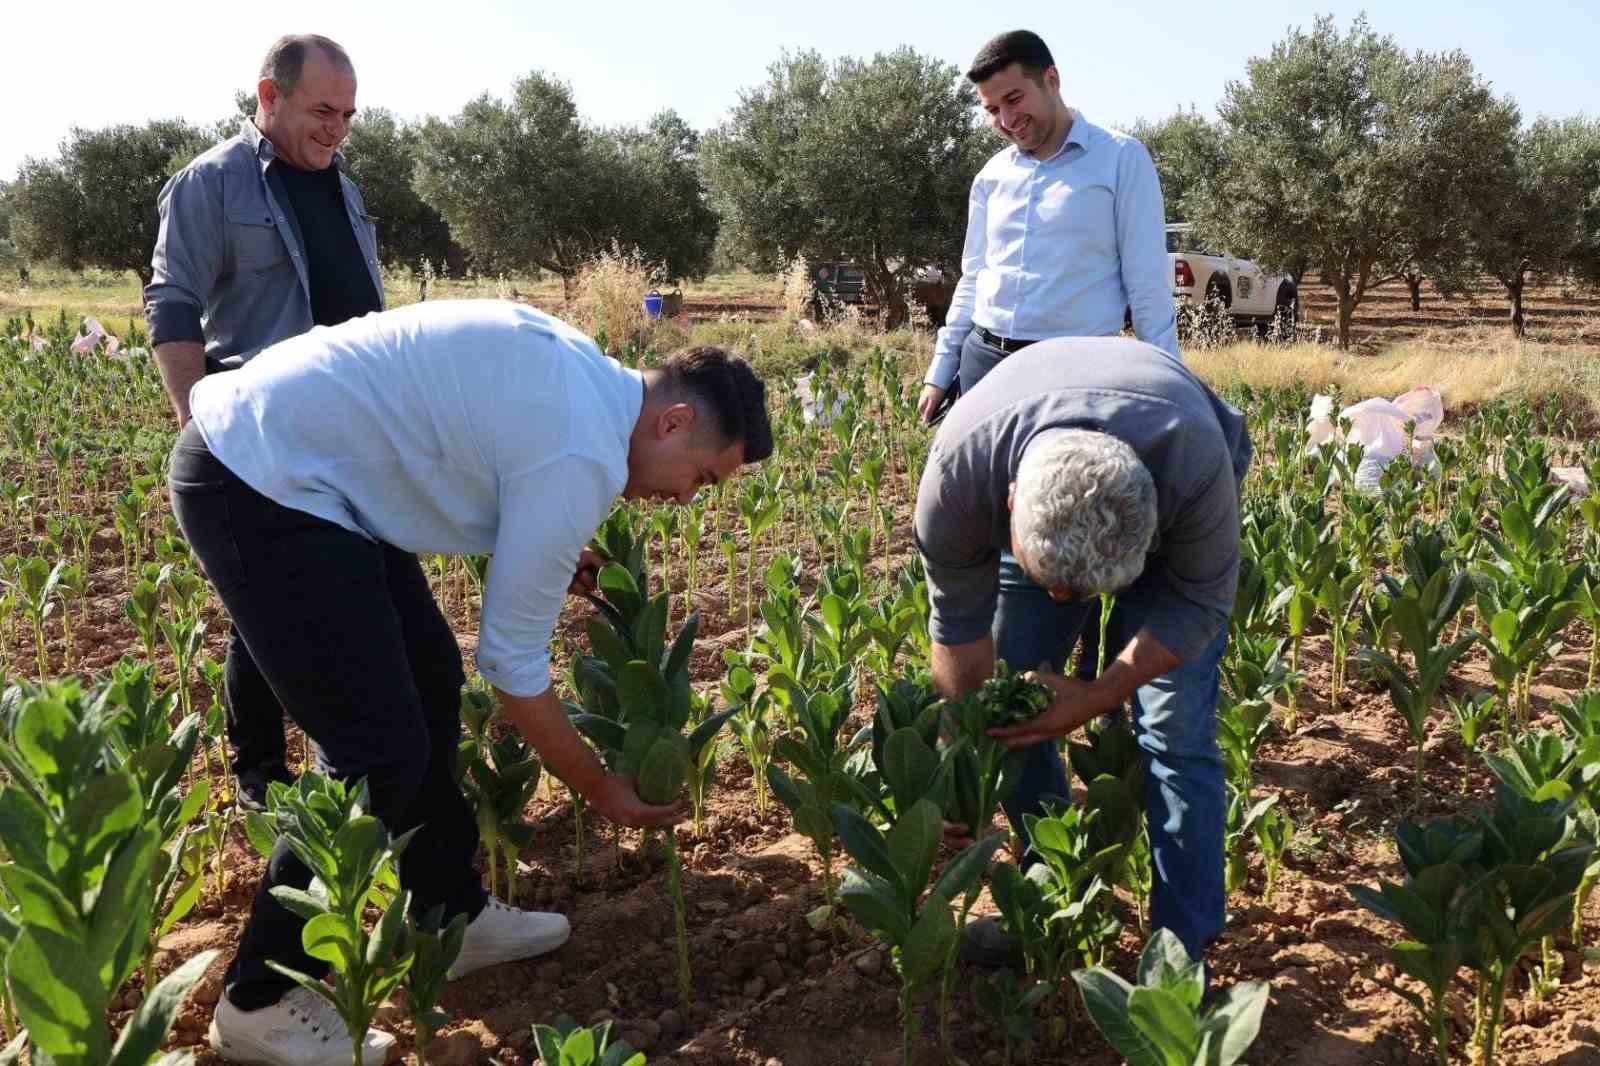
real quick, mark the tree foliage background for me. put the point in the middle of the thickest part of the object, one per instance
(866, 160)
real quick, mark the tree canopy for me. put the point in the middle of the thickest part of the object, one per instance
(95, 204)
(866, 160)
(1348, 154)
(525, 184)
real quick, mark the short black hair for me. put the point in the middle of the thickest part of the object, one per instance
(1023, 47)
(728, 390)
(286, 59)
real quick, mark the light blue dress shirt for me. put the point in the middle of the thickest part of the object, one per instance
(455, 426)
(1060, 247)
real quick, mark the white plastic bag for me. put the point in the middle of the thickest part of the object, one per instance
(1379, 427)
(808, 403)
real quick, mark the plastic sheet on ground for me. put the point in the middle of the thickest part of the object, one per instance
(1379, 427)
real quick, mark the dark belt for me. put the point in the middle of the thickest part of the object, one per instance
(1005, 344)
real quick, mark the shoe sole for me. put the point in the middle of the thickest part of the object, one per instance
(543, 949)
(234, 1052)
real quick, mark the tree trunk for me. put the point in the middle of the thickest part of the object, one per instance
(1514, 290)
(1347, 310)
(146, 275)
(569, 288)
(1414, 283)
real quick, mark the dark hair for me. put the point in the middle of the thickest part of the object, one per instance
(286, 59)
(1022, 47)
(729, 391)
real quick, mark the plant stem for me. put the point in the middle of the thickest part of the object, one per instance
(948, 984)
(675, 890)
(1496, 1014)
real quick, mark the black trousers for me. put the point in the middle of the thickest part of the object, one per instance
(254, 718)
(347, 635)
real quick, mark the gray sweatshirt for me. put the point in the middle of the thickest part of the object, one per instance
(1194, 445)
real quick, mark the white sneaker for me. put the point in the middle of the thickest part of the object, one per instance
(301, 1029)
(503, 934)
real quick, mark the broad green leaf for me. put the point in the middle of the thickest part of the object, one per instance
(866, 845)
(1242, 1005)
(331, 938)
(928, 945)
(40, 903)
(57, 997)
(1106, 996)
(963, 872)
(909, 764)
(1166, 1021)
(643, 693)
(875, 904)
(914, 843)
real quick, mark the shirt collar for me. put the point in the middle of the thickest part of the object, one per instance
(1077, 134)
(261, 146)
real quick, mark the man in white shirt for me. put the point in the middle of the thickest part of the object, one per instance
(307, 481)
(1066, 233)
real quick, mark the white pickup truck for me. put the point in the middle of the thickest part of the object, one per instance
(1201, 275)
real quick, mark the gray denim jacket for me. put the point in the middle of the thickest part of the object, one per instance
(229, 262)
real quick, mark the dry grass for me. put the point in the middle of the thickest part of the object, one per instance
(611, 289)
(1466, 366)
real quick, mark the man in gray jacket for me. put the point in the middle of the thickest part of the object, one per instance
(262, 238)
(1103, 465)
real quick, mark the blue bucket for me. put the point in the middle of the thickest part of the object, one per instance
(652, 304)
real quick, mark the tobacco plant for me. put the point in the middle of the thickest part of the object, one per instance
(566, 1043)
(83, 864)
(885, 894)
(1161, 1021)
(501, 780)
(636, 702)
(432, 945)
(1012, 1005)
(818, 758)
(1419, 612)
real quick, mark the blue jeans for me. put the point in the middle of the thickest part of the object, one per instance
(1175, 718)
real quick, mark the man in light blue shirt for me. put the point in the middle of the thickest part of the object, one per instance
(307, 481)
(1066, 232)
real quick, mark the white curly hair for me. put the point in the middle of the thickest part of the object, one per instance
(1084, 511)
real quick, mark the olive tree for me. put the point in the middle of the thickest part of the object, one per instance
(10, 258)
(1346, 153)
(1534, 219)
(380, 156)
(1186, 148)
(524, 184)
(869, 160)
(95, 204)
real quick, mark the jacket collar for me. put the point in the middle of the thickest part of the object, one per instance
(261, 146)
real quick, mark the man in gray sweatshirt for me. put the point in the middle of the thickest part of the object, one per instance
(1102, 465)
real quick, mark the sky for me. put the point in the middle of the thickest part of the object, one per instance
(93, 63)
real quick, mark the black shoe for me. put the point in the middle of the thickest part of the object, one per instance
(251, 786)
(985, 943)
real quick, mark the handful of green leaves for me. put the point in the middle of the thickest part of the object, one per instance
(1008, 698)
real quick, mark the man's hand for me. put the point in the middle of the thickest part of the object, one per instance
(617, 800)
(585, 579)
(1073, 704)
(928, 402)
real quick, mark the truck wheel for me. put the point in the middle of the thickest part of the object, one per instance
(1217, 290)
(1285, 316)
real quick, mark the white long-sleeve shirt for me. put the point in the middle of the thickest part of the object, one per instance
(1060, 247)
(457, 426)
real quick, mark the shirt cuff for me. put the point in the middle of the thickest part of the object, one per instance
(528, 679)
(946, 361)
(172, 321)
